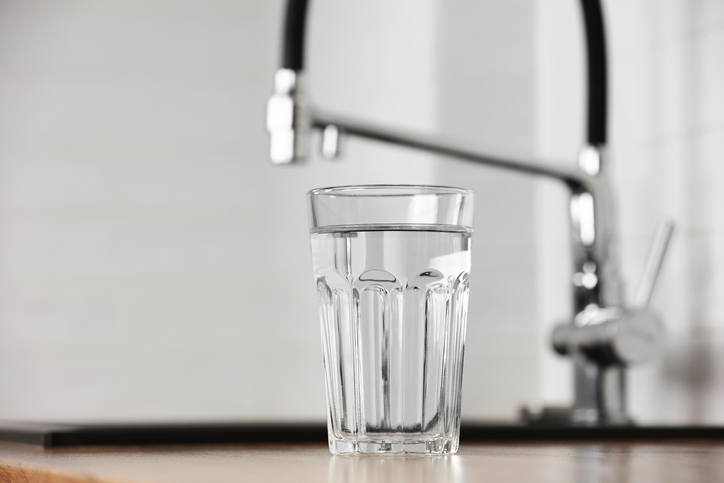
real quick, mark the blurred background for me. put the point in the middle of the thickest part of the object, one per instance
(155, 266)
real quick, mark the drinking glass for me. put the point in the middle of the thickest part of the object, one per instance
(391, 265)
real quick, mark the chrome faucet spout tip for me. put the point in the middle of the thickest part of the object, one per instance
(286, 119)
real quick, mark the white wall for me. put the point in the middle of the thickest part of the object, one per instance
(485, 95)
(666, 139)
(154, 265)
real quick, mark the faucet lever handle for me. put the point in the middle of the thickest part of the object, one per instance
(654, 261)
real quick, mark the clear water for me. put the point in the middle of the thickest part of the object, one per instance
(393, 309)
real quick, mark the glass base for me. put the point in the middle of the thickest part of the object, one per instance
(392, 447)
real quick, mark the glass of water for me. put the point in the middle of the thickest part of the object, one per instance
(391, 265)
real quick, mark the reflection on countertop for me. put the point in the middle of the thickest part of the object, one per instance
(661, 461)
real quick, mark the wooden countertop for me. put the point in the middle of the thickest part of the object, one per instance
(512, 462)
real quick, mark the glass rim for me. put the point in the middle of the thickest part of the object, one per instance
(395, 190)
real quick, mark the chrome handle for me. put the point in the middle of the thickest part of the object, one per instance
(654, 261)
(617, 335)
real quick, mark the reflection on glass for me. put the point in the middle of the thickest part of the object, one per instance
(436, 469)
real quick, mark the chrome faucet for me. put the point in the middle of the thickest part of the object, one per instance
(605, 335)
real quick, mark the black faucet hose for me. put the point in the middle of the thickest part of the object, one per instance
(293, 58)
(293, 46)
(597, 75)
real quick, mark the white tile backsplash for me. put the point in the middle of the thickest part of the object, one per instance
(154, 265)
(484, 94)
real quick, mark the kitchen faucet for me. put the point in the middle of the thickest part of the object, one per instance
(605, 335)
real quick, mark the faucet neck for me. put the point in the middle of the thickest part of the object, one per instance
(597, 85)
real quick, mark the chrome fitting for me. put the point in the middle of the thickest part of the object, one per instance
(589, 159)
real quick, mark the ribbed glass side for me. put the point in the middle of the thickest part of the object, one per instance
(393, 309)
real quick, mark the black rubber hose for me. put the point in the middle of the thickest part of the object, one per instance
(597, 72)
(293, 46)
(293, 58)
